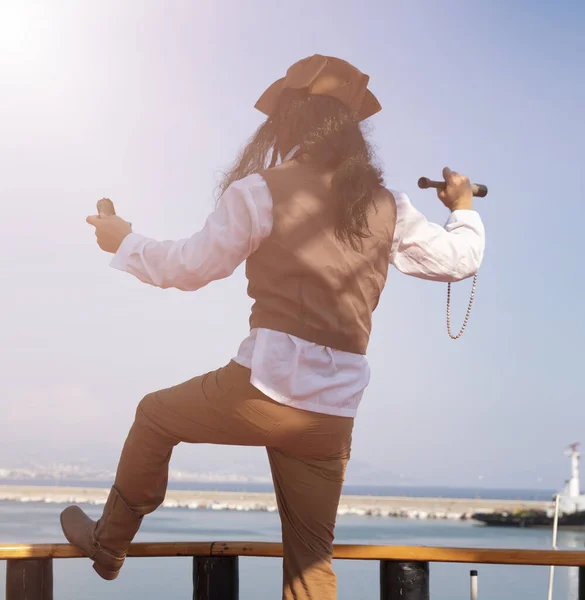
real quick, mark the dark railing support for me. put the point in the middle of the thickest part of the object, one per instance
(29, 579)
(581, 583)
(215, 578)
(404, 580)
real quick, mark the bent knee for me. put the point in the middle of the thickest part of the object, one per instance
(147, 407)
(153, 418)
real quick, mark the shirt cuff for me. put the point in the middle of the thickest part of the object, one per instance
(467, 217)
(127, 247)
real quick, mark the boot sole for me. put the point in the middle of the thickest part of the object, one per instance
(106, 574)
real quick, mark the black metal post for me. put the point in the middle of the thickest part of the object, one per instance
(29, 579)
(581, 583)
(215, 578)
(404, 580)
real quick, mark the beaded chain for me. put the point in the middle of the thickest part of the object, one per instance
(465, 321)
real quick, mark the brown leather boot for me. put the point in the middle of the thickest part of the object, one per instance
(105, 541)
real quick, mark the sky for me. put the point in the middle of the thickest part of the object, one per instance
(149, 102)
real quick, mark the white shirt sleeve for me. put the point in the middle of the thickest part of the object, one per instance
(242, 219)
(428, 251)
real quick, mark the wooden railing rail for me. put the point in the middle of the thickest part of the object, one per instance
(404, 570)
(499, 556)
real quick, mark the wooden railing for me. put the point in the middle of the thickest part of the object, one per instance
(404, 570)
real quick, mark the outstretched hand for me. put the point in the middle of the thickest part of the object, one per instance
(110, 231)
(458, 193)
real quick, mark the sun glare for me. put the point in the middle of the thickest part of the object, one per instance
(22, 27)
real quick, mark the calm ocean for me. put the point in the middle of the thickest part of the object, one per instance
(170, 578)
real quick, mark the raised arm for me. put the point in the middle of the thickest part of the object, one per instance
(427, 250)
(243, 218)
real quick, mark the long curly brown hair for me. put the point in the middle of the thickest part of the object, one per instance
(330, 137)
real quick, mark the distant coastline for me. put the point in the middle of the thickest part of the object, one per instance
(418, 507)
(350, 489)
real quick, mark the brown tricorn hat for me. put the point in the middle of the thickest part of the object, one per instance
(325, 76)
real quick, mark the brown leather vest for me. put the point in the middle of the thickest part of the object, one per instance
(307, 283)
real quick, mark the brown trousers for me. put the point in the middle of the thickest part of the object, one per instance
(308, 454)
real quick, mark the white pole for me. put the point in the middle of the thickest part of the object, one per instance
(575, 488)
(555, 531)
(473, 594)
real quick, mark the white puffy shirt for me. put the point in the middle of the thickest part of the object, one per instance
(290, 370)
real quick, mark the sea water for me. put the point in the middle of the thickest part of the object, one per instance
(170, 578)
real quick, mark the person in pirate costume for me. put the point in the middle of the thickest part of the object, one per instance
(307, 210)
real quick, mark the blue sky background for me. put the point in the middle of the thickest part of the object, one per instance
(146, 102)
